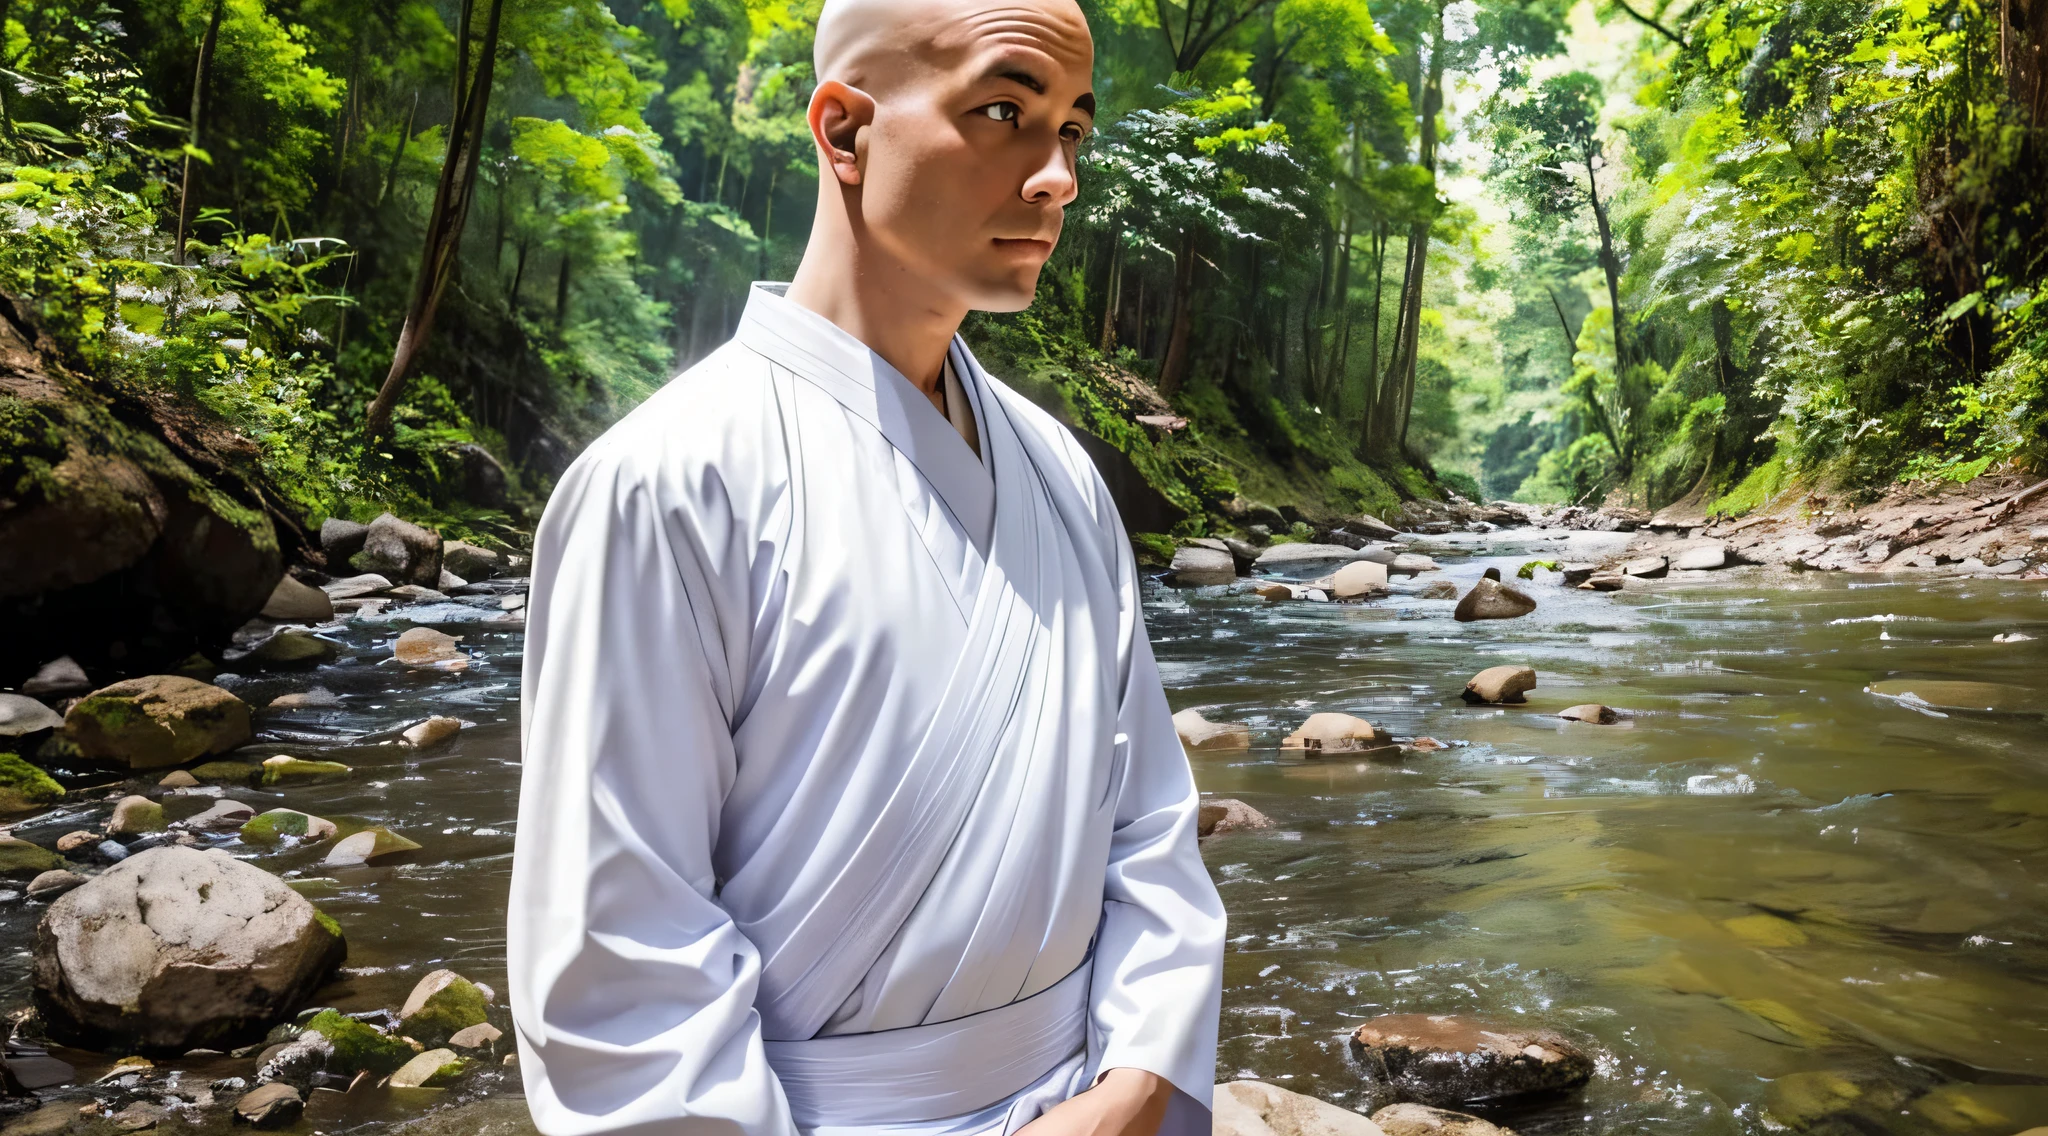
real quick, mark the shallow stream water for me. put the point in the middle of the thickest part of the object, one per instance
(1768, 899)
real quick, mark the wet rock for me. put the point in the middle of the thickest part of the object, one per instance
(450, 581)
(471, 562)
(73, 841)
(356, 587)
(298, 1061)
(1496, 685)
(505, 1115)
(426, 647)
(1577, 572)
(430, 733)
(1857, 1103)
(20, 860)
(1412, 563)
(1445, 1060)
(158, 720)
(287, 645)
(1438, 590)
(1282, 557)
(221, 815)
(1329, 734)
(1358, 579)
(21, 715)
(1196, 567)
(273, 826)
(367, 847)
(24, 787)
(275, 1105)
(1706, 557)
(108, 852)
(53, 883)
(1199, 733)
(135, 815)
(1424, 745)
(1647, 567)
(227, 773)
(349, 1046)
(341, 539)
(1954, 695)
(434, 1069)
(176, 948)
(1602, 582)
(1491, 599)
(318, 698)
(1227, 814)
(177, 779)
(139, 1116)
(58, 677)
(294, 602)
(1591, 712)
(1243, 552)
(478, 1036)
(1255, 1108)
(285, 770)
(440, 1005)
(414, 593)
(404, 552)
(1410, 1119)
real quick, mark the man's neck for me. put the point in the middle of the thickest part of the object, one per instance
(883, 305)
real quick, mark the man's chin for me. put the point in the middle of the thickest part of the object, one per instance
(1012, 293)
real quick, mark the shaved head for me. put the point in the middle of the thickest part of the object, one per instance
(948, 136)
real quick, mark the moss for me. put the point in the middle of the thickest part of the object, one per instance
(273, 826)
(24, 787)
(1764, 483)
(358, 1045)
(431, 1070)
(328, 924)
(21, 860)
(1154, 549)
(228, 773)
(293, 769)
(455, 1006)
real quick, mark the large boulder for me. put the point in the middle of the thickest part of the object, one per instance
(1445, 1060)
(21, 716)
(342, 539)
(1702, 558)
(1491, 599)
(1328, 734)
(156, 720)
(1358, 579)
(135, 528)
(1195, 566)
(294, 602)
(1255, 1108)
(401, 551)
(471, 562)
(1408, 1119)
(175, 948)
(1294, 554)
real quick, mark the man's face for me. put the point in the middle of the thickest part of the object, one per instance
(970, 163)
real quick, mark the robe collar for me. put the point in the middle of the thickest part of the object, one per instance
(827, 355)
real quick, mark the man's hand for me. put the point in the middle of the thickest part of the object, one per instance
(1122, 1102)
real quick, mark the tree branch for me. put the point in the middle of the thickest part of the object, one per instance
(1653, 25)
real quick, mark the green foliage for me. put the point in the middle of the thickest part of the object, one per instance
(1760, 488)
(1528, 569)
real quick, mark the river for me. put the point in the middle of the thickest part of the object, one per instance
(1768, 898)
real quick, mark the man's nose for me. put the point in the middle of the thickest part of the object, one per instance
(1053, 180)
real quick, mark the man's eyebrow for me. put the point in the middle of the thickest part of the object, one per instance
(1018, 76)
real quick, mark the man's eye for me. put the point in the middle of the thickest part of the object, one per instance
(1001, 112)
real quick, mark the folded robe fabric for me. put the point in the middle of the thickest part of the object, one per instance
(832, 727)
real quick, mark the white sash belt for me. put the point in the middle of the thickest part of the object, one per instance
(931, 1072)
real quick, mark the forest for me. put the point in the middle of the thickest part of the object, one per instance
(1330, 255)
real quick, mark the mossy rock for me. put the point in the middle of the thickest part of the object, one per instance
(245, 773)
(21, 860)
(283, 770)
(24, 787)
(443, 1004)
(431, 1070)
(272, 827)
(157, 720)
(357, 1045)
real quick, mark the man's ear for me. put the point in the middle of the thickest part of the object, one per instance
(838, 114)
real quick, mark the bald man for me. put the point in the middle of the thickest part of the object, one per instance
(851, 803)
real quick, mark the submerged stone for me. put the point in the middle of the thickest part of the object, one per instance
(1326, 733)
(1496, 685)
(1198, 733)
(1445, 1060)
(285, 769)
(1227, 814)
(1950, 694)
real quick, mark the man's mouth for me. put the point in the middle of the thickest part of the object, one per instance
(1024, 244)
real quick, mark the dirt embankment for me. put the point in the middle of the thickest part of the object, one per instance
(1996, 526)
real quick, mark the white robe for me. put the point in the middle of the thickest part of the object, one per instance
(745, 742)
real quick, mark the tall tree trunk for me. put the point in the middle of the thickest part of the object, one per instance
(1374, 374)
(452, 196)
(1611, 265)
(1174, 368)
(1398, 390)
(200, 75)
(1112, 293)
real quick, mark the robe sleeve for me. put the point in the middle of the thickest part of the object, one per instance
(1158, 985)
(632, 991)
